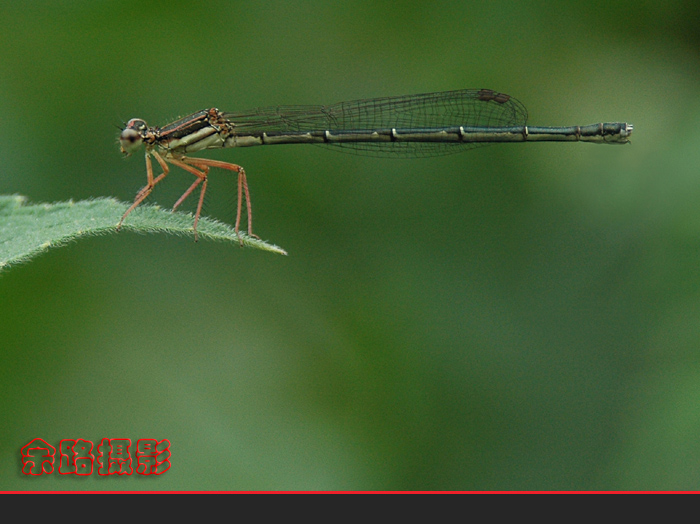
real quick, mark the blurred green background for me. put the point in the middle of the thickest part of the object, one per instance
(514, 317)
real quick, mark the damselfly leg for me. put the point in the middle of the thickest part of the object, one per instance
(146, 190)
(199, 167)
(205, 163)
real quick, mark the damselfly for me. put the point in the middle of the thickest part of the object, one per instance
(406, 126)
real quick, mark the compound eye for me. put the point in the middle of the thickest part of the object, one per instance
(130, 135)
(130, 140)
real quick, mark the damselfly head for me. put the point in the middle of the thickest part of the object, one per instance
(133, 135)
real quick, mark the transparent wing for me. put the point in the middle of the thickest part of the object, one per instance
(467, 107)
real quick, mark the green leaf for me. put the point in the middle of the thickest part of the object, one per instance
(27, 230)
